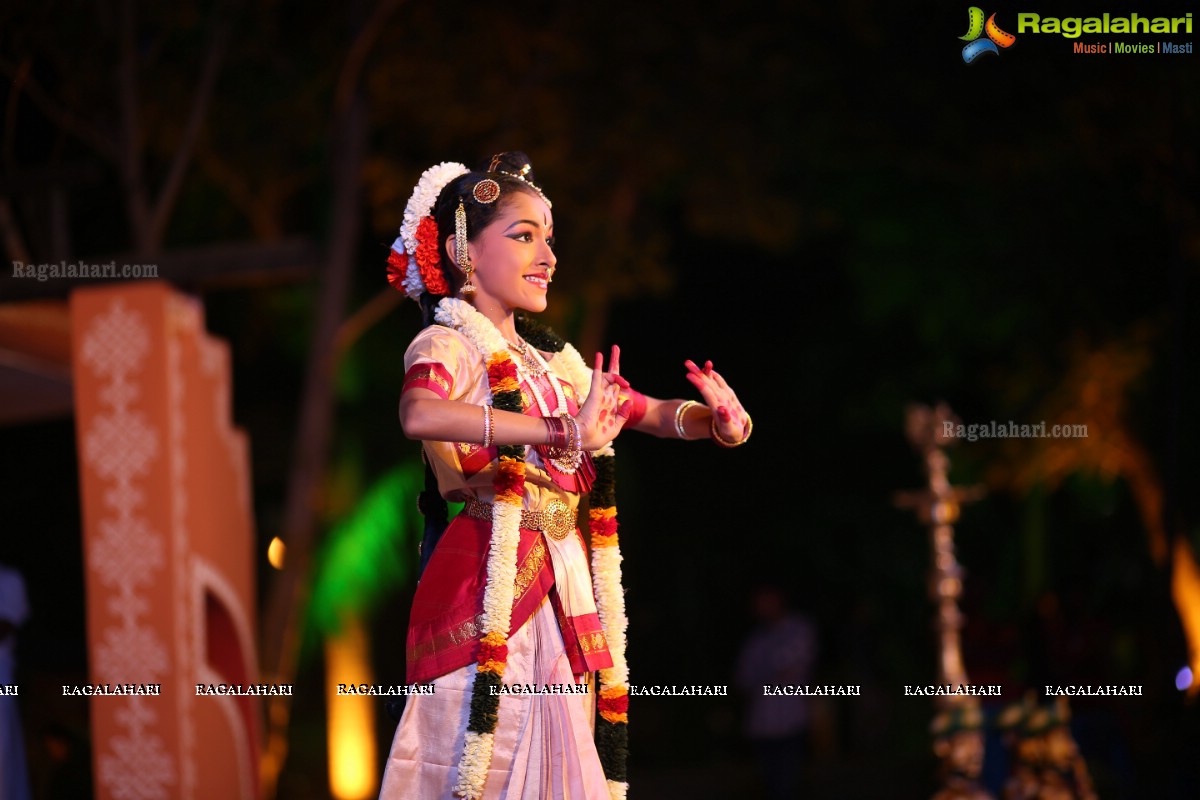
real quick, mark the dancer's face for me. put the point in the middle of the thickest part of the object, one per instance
(513, 257)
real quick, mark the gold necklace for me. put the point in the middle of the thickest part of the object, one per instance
(533, 365)
(566, 461)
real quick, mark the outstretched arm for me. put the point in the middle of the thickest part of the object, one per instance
(659, 419)
(721, 411)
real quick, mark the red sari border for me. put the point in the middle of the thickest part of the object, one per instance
(444, 629)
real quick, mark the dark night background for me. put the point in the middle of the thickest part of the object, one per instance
(824, 200)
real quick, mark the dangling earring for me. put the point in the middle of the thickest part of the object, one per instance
(461, 253)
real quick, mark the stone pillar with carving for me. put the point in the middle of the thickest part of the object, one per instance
(168, 542)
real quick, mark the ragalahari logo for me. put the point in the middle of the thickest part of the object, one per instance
(976, 27)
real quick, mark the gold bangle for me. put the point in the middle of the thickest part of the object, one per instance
(679, 412)
(746, 431)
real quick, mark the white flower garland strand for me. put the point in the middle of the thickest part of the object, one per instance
(502, 568)
(610, 606)
(473, 768)
(502, 553)
(479, 330)
(420, 205)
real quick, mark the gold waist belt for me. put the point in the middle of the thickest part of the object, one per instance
(556, 520)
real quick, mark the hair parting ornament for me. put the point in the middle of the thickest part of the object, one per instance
(497, 162)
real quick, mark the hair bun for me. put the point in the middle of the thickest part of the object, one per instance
(513, 162)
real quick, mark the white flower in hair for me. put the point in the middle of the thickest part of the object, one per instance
(420, 205)
(412, 283)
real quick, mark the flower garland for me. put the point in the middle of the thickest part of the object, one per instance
(413, 263)
(509, 484)
(612, 729)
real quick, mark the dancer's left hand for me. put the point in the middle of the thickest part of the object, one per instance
(730, 418)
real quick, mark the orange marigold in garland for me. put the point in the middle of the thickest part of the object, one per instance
(614, 708)
(599, 540)
(510, 480)
(510, 385)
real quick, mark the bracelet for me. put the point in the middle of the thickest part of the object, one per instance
(489, 427)
(679, 412)
(572, 439)
(716, 436)
(559, 439)
(565, 448)
(578, 433)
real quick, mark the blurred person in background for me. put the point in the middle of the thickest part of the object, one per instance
(14, 611)
(780, 651)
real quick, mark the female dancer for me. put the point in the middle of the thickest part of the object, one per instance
(507, 624)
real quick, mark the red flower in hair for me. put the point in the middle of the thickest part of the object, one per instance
(397, 270)
(427, 257)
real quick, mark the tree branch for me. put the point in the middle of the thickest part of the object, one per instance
(14, 242)
(169, 194)
(130, 153)
(66, 119)
(365, 318)
(356, 57)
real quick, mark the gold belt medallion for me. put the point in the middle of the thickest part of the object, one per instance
(557, 522)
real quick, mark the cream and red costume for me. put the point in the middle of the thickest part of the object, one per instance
(543, 743)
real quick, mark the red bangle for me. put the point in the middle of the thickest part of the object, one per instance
(558, 432)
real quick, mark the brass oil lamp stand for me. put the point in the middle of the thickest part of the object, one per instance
(957, 727)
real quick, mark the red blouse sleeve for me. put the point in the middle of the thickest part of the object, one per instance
(431, 376)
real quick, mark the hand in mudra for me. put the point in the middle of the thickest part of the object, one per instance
(602, 415)
(730, 420)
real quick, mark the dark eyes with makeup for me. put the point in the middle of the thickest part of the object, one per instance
(527, 237)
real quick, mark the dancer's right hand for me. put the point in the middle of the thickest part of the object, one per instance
(602, 415)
